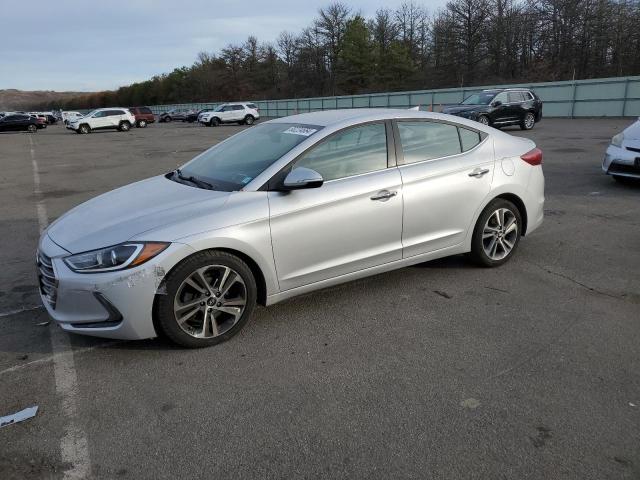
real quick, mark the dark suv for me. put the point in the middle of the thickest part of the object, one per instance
(143, 115)
(500, 107)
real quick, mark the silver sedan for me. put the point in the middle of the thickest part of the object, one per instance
(622, 158)
(289, 206)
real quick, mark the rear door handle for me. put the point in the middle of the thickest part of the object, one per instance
(478, 172)
(383, 195)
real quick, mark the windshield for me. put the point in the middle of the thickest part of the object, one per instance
(232, 164)
(483, 98)
(89, 114)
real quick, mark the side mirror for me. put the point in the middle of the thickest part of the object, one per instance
(301, 177)
(497, 103)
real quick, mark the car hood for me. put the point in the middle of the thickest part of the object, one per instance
(121, 214)
(453, 109)
(632, 132)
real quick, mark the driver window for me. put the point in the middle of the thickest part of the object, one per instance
(501, 97)
(355, 151)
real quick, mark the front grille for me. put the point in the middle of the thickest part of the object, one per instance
(47, 279)
(623, 168)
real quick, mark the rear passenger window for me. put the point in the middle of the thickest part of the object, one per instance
(515, 97)
(144, 110)
(468, 138)
(428, 140)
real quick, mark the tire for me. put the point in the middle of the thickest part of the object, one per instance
(626, 180)
(492, 251)
(32, 128)
(84, 129)
(528, 121)
(124, 126)
(214, 122)
(484, 120)
(194, 332)
(167, 119)
(248, 120)
(142, 124)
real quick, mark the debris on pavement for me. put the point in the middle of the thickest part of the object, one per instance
(43, 324)
(442, 294)
(20, 416)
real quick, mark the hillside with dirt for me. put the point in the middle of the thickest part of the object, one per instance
(13, 99)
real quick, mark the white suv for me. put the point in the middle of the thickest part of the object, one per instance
(102, 119)
(242, 113)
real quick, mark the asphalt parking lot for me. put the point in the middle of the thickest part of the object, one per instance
(442, 370)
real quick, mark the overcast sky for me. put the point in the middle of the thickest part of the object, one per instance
(88, 46)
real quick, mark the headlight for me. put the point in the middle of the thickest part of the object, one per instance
(118, 257)
(617, 140)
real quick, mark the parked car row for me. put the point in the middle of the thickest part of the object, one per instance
(243, 113)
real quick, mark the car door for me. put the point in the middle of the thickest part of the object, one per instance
(99, 120)
(226, 113)
(500, 113)
(352, 222)
(238, 113)
(516, 106)
(446, 173)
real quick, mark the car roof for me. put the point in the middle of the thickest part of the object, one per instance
(359, 115)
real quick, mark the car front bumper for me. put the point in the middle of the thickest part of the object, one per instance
(114, 304)
(621, 161)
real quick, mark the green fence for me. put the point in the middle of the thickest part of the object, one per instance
(602, 97)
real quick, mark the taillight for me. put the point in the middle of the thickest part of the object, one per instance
(533, 157)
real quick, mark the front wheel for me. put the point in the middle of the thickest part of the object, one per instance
(32, 128)
(483, 119)
(528, 121)
(214, 122)
(209, 298)
(496, 234)
(84, 129)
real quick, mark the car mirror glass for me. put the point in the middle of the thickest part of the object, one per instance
(302, 177)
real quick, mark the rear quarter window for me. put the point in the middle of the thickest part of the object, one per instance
(468, 138)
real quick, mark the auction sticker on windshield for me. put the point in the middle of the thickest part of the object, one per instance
(304, 131)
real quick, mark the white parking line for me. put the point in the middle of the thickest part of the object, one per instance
(74, 446)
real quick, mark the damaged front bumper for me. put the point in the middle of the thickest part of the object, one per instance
(116, 304)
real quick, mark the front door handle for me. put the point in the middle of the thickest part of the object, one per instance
(478, 172)
(383, 195)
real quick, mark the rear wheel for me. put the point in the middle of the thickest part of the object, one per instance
(84, 129)
(210, 297)
(32, 128)
(124, 126)
(142, 124)
(167, 119)
(528, 121)
(248, 120)
(496, 234)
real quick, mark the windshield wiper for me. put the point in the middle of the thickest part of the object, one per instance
(194, 180)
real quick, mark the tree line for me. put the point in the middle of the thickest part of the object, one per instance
(466, 43)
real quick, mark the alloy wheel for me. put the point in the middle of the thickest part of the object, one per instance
(483, 119)
(500, 234)
(529, 121)
(210, 301)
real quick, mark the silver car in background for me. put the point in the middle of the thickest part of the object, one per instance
(622, 158)
(287, 207)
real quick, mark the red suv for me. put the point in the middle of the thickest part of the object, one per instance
(143, 116)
